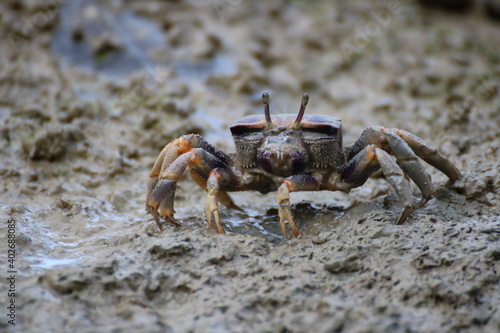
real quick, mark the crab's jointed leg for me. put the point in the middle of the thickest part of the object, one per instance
(376, 144)
(389, 141)
(368, 160)
(220, 179)
(429, 154)
(293, 184)
(188, 150)
(407, 148)
(410, 164)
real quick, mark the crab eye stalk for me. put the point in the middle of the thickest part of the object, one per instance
(305, 100)
(265, 100)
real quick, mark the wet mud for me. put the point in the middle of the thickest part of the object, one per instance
(91, 91)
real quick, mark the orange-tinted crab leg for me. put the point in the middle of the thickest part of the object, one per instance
(292, 184)
(188, 150)
(218, 180)
(168, 154)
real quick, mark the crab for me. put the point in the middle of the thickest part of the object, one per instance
(290, 153)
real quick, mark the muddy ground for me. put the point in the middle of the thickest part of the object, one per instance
(91, 91)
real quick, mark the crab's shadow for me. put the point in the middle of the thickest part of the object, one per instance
(267, 224)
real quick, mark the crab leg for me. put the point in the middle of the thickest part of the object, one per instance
(221, 196)
(161, 191)
(176, 148)
(429, 154)
(293, 184)
(218, 179)
(388, 140)
(362, 165)
(411, 165)
(168, 155)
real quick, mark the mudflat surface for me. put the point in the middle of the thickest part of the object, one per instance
(90, 92)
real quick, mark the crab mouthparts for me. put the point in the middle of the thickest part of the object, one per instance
(281, 161)
(274, 161)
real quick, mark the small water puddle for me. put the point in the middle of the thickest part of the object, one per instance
(129, 43)
(46, 263)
